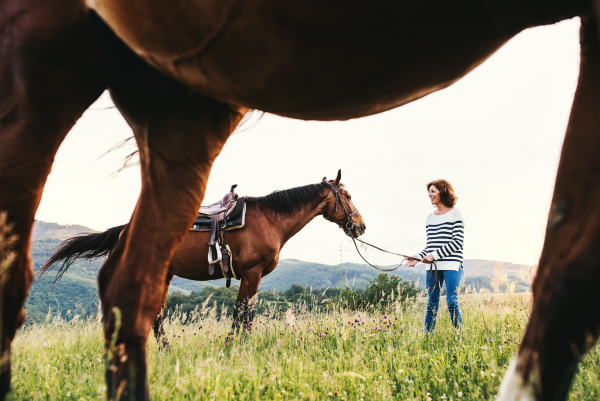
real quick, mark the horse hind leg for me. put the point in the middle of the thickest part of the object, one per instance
(50, 73)
(157, 327)
(179, 135)
(563, 326)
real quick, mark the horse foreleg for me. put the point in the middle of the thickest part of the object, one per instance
(243, 314)
(54, 63)
(564, 324)
(179, 135)
(159, 331)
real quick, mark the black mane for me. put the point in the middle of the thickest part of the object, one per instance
(288, 201)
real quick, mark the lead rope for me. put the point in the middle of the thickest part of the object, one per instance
(348, 229)
(405, 257)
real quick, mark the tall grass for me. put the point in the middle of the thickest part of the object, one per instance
(336, 354)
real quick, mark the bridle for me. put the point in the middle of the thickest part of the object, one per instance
(349, 225)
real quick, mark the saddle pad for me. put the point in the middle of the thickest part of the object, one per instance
(235, 220)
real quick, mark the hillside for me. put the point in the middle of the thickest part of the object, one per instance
(42, 229)
(76, 293)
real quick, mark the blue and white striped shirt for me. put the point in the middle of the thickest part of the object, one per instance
(445, 240)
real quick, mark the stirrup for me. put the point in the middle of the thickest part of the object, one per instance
(219, 258)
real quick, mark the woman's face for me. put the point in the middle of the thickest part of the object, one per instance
(434, 195)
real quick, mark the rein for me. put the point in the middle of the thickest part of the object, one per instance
(348, 230)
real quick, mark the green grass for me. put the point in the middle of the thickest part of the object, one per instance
(321, 355)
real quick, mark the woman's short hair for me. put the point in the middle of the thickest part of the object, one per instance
(447, 196)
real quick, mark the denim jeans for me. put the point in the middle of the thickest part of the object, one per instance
(453, 280)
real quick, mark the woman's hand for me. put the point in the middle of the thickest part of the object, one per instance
(412, 262)
(428, 259)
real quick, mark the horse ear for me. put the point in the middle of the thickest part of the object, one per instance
(338, 178)
(324, 179)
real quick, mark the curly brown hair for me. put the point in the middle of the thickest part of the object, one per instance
(447, 196)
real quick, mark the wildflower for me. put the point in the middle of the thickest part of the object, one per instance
(330, 393)
(68, 393)
(176, 342)
(459, 394)
(482, 373)
(505, 341)
(444, 396)
(490, 340)
(401, 371)
(493, 374)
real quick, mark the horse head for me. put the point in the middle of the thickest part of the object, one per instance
(340, 210)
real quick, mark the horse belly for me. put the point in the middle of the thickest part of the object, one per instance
(309, 59)
(190, 260)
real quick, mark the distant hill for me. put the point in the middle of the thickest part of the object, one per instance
(478, 267)
(77, 292)
(42, 229)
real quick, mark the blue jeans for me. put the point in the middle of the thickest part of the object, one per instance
(453, 280)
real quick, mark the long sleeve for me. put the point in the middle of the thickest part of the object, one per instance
(455, 246)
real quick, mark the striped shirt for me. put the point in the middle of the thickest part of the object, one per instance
(445, 238)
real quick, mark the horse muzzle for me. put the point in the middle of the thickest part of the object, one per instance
(356, 231)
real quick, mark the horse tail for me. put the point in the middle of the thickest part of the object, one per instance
(87, 246)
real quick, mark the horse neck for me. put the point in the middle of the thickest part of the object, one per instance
(290, 225)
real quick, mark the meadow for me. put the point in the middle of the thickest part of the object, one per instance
(334, 353)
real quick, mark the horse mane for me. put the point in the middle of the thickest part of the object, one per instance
(288, 201)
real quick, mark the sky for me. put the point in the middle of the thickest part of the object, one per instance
(495, 135)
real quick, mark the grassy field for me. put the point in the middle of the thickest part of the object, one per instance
(341, 355)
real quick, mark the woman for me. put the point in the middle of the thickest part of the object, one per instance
(445, 236)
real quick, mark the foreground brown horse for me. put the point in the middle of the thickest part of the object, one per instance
(183, 74)
(271, 221)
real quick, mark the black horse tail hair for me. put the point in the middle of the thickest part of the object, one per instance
(86, 246)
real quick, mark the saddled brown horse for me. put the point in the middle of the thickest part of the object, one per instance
(271, 221)
(184, 73)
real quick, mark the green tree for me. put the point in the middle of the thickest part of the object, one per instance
(382, 289)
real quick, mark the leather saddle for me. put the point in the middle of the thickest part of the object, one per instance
(225, 215)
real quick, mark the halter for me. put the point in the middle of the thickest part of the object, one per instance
(348, 230)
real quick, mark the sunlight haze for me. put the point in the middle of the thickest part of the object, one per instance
(495, 135)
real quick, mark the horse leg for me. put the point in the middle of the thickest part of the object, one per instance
(563, 326)
(159, 331)
(179, 135)
(54, 63)
(243, 314)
